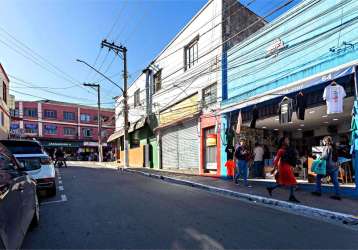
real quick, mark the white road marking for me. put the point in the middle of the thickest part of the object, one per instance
(61, 188)
(63, 199)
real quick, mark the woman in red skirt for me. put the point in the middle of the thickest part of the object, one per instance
(285, 161)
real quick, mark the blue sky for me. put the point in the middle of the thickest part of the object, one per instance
(63, 30)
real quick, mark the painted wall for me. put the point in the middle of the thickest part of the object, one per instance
(4, 108)
(312, 33)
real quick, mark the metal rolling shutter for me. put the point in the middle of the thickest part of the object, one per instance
(180, 146)
(170, 148)
(188, 144)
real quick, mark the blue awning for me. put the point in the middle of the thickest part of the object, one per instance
(289, 88)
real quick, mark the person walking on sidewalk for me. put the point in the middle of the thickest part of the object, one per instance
(258, 161)
(242, 155)
(285, 160)
(329, 154)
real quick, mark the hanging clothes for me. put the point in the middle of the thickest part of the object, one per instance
(239, 122)
(285, 110)
(301, 104)
(255, 116)
(230, 150)
(333, 95)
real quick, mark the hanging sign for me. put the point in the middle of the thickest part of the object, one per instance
(275, 47)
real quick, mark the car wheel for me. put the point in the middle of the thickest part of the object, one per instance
(53, 190)
(36, 219)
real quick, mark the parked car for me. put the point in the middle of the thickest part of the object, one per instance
(35, 161)
(19, 206)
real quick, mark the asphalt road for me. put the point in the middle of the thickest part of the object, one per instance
(111, 209)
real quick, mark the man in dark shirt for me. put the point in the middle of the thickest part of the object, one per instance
(60, 156)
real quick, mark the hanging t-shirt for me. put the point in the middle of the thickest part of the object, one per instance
(239, 122)
(301, 105)
(285, 110)
(230, 150)
(255, 116)
(334, 94)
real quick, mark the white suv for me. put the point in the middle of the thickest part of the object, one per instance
(35, 161)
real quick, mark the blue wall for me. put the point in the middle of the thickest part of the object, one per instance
(308, 31)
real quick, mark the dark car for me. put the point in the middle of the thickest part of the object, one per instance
(19, 206)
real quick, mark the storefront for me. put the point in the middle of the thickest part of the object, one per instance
(305, 50)
(210, 145)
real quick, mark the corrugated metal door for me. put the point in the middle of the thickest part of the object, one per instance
(180, 146)
(170, 148)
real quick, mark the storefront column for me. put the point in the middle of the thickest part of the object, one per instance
(224, 126)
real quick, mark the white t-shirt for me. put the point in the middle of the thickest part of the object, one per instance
(258, 153)
(334, 94)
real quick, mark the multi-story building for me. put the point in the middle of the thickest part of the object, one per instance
(4, 102)
(173, 104)
(58, 124)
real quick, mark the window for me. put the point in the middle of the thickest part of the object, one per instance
(5, 163)
(14, 112)
(2, 119)
(157, 81)
(32, 112)
(85, 117)
(50, 114)
(69, 131)
(30, 128)
(210, 94)
(50, 129)
(4, 92)
(87, 132)
(68, 116)
(191, 54)
(137, 98)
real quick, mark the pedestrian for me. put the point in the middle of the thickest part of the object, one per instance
(242, 156)
(258, 161)
(285, 161)
(329, 154)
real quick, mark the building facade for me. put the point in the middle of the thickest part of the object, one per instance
(305, 54)
(58, 124)
(4, 104)
(174, 103)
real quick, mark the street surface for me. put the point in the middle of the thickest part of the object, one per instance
(105, 208)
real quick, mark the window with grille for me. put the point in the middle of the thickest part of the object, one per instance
(210, 94)
(85, 117)
(68, 116)
(50, 114)
(32, 112)
(137, 98)
(50, 129)
(69, 131)
(87, 132)
(30, 128)
(191, 54)
(157, 81)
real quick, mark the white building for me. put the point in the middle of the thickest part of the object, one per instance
(181, 87)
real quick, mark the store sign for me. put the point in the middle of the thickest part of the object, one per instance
(211, 140)
(93, 144)
(275, 47)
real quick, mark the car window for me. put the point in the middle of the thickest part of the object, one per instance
(23, 147)
(30, 164)
(5, 163)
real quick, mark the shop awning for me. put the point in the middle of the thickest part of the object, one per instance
(293, 87)
(115, 135)
(133, 126)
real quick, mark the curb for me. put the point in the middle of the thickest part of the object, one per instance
(341, 218)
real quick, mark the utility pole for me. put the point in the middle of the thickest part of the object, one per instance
(123, 50)
(100, 149)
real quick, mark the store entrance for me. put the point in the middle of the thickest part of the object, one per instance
(210, 149)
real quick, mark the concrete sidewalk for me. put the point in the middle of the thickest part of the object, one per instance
(345, 211)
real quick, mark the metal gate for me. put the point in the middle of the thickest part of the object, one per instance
(180, 146)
